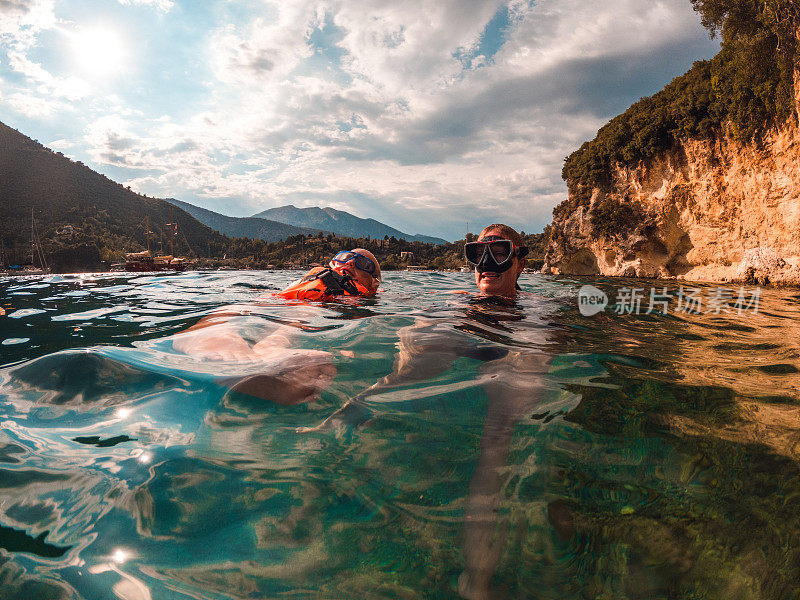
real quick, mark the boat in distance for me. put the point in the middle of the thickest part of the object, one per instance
(144, 262)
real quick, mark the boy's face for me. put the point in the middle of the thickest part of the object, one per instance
(364, 278)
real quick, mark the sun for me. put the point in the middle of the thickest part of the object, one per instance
(99, 51)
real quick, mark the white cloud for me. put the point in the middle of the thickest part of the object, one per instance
(162, 5)
(556, 31)
(70, 88)
(408, 46)
(266, 49)
(21, 24)
(32, 106)
(19, 15)
(62, 144)
(372, 106)
(111, 141)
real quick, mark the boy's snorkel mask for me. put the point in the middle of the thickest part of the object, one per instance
(493, 253)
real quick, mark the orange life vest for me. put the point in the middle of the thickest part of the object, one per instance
(323, 284)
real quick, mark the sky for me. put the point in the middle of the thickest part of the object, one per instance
(429, 116)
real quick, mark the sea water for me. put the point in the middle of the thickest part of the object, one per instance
(458, 448)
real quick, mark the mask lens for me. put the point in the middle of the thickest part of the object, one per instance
(501, 251)
(473, 252)
(490, 255)
(343, 257)
(365, 264)
(360, 261)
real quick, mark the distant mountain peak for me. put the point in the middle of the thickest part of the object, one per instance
(339, 222)
(268, 230)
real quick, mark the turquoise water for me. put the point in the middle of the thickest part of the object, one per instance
(455, 448)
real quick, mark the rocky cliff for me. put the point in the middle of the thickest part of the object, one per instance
(710, 204)
(712, 210)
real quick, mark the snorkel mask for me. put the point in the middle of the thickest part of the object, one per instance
(365, 271)
(493, 253)
(359, 260)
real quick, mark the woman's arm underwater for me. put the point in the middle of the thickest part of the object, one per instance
(269, 369)
(515, 391)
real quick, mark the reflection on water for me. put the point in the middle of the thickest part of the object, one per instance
(458, 448)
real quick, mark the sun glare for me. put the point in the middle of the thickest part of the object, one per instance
(99, 51)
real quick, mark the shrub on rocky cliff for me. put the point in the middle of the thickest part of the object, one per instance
(684, 108)
(747, 85)
(611, 217)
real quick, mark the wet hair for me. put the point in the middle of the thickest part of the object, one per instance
(507, 231)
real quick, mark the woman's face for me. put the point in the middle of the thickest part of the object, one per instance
(499, 284)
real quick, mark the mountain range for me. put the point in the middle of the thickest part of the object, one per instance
(249, 227)
(84, 218)
(340, 223)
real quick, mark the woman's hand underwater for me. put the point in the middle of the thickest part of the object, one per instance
(301, 377)
(270, 370)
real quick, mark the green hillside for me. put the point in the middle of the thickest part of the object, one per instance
(299, 251)
(745, 89)
(106, 218)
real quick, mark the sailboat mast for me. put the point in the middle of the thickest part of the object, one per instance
(147, 217)
(36, 244)
(42, 259)
(172, 234)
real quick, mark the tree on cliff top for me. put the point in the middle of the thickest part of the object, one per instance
(746, 89)
(781, 16)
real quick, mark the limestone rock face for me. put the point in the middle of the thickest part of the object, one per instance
(712, 210)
